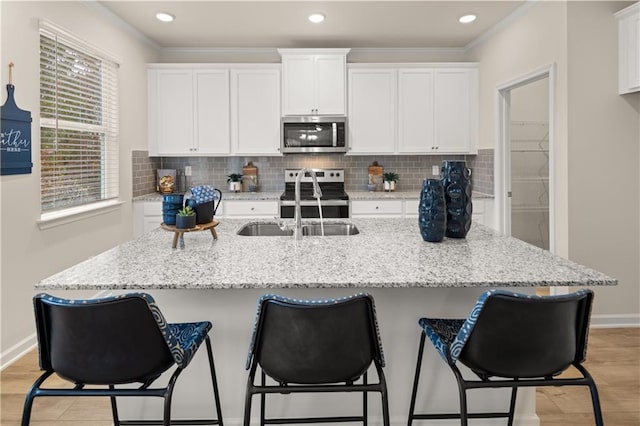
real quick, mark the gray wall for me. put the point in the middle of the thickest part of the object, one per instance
(596, 136)
(29, 253)
(604, 144)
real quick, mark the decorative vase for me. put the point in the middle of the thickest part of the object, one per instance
(432, 211)
(185, 222)
(235, 186)
(171, 203)
(389, 185)
(456, 180)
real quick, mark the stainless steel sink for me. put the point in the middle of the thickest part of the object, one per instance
(271, 229)
(264, 230)
(330, 229)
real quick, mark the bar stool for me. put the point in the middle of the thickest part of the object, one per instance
(114, 341)
(512, 340)
(315, 346)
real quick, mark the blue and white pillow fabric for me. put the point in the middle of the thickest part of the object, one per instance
(204, 193)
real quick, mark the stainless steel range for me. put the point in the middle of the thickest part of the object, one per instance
(334, 200)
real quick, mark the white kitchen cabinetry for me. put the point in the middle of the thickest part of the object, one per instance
(147, 215)
(455, 110)
(411, 207)
(255, 106)
(372, 110)
(416, 111)
(251, 209)
(314, 81)
(413, 108)
(188, 111)
(368, 208)
(629, 49)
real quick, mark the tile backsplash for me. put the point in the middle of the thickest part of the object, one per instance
(214, 170)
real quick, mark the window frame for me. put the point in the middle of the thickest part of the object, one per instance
(107, 190)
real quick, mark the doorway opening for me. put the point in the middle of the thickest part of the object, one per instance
(524, 192)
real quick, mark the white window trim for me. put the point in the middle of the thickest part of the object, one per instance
(62, 217)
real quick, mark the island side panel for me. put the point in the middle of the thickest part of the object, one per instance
(233, 312)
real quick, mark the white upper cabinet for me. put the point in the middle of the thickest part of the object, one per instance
(313, 81)
(372, 111)
(455, 111)
(188, 112)
(413, 108)
(629, 49)
(211, 112)
(415, 111)
(255, 104)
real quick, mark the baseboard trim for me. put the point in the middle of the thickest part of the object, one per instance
(17, 351)
(21, 348)
(615, 321)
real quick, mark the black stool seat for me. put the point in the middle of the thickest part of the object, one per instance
(113, 341)
(311, 346)
(511, 340)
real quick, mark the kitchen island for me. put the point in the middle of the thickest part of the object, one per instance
(221, 280)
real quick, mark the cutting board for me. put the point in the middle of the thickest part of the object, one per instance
(375, 174)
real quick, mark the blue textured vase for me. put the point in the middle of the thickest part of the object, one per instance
(456, 180)
(432, 212)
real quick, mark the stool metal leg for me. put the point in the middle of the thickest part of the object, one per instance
(464, 415)
(414, 391)
(114, 408)
(263, 399)
(512, 405)
(364, 401)
(214, 380)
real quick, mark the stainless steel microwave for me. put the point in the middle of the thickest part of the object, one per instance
(314, 134)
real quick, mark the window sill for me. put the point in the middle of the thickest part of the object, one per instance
(74, 214)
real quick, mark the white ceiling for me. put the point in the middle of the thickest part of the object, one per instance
(355, 24)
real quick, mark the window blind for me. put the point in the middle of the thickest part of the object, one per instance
(78, 123)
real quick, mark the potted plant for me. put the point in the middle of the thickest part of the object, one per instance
(390, 179)
(234, 181)
(186, 218)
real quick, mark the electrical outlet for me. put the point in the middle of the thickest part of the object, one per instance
(187, 170)
(435, 170)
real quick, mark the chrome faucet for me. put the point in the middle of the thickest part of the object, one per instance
(317, 193)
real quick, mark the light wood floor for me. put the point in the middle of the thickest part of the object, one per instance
(613, 360)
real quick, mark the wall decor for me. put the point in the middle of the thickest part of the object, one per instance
(15, 135)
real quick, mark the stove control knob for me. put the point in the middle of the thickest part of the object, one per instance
(331, 174)
(338, 174)
(291, 174)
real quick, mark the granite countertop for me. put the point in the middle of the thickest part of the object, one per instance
(353, 195)
(386, 253)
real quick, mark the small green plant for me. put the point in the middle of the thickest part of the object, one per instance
(234, 177)
(186, 211)
(390, 177)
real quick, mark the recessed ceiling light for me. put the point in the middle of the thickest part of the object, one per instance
(316, 18)
(164, 17)
(467, 19)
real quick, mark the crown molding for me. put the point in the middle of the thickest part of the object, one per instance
(222, 50)
(409, 50)
(119, 22)
(519, 12)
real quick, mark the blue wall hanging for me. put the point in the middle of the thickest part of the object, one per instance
(15, 136)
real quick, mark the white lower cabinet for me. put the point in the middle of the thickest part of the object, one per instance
(147, 215)
(483, 212)
(368, 208)
(411, 208)
(251, 209)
